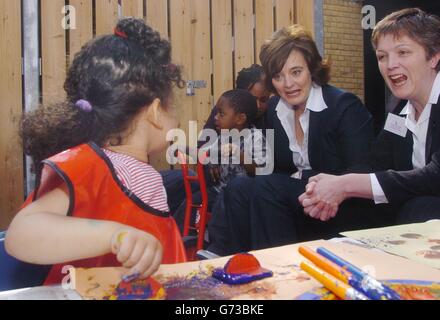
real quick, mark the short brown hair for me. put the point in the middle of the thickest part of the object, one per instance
(420, 26)
(275, 51)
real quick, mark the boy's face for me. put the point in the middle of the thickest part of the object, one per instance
(226, 117)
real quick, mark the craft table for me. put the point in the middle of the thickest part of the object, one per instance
(287, 283)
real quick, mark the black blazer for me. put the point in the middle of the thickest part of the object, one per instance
(339, 137)
(392, 156)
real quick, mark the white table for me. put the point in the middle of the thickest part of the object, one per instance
(40, 293)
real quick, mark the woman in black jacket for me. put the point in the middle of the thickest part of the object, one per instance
(406, 157)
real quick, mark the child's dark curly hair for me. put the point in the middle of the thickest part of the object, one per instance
(118, 75)
(242, 101)
(248, 77)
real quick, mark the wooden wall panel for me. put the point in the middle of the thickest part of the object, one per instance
(106, 16)
(11, 155)
(132, 8)
(244, 35)
(264, 26)
(157, 16)
(190, 39)
(285, 13)
(53, 50)
(305, 14)
(222, 47)
(84, 26)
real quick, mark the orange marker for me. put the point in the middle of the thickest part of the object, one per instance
(325, 264)
(339, 288)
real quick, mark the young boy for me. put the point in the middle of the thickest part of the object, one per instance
(238, 151)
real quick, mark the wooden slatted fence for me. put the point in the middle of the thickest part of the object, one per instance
(211, 39)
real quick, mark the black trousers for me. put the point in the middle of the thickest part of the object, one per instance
(420, 209)
(264, 212)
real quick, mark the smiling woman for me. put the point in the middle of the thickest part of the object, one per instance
(406, 156)
(406, 46)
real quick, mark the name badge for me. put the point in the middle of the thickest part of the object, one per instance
(396, 125)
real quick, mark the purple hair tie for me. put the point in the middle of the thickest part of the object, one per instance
(170, 67)
(84, 105)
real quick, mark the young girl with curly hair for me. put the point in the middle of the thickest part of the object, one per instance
(97, 201)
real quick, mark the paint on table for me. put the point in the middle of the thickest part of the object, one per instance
(138, 289)
(195, 285)
(200, 285)
(192, 280)
(419, 242)
(407, 289)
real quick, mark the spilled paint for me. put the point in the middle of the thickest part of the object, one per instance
(93, 286)
(429, 254)
(202, 286)
(139, 289)
(408, 291)
(396, 242)
(411, 236)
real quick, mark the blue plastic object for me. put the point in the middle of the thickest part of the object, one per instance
(240, 269)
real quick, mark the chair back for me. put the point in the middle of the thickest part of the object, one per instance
(202, 207)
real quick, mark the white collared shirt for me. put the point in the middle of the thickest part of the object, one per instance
(419, 130)
(286, 114)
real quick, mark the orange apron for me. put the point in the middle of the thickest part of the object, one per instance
(95, 192)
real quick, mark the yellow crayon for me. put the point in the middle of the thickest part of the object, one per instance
(121, 236)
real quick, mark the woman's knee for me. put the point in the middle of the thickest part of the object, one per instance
(280, 187)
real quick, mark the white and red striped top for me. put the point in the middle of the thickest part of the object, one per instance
(140, 178)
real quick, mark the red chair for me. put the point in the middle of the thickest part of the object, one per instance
(194, 243)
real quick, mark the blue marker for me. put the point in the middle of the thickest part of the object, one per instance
(130, 277)
(371, 287)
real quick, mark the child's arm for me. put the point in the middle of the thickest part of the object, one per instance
(230, 149)
(259, 150)
(249, 167)
(41, 233)
(255, 148)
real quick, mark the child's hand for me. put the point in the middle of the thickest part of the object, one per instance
(137, 250)
(229, 149)
(215, 173)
